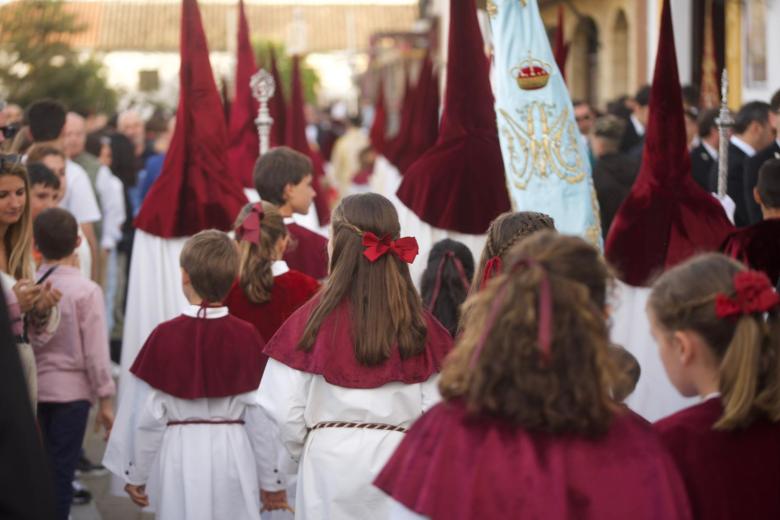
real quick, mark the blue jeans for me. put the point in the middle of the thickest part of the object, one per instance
(109, 293)
(62, 427)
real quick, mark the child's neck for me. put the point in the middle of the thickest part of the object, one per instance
(707, 382)
(286, 211)
(68, 261)
(194, 299)
(770, 213)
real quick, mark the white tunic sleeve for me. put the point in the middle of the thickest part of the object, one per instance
(283, 393)
(430, 393)
(149, 433)
(264, 435)
(398, 511)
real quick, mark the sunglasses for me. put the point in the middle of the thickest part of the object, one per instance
(9, 131)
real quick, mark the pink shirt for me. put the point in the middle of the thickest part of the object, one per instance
(74, 364)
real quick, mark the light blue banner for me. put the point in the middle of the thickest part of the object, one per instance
(545, 158)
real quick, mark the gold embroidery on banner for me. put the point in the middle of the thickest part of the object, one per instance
(556, 150)
(491, 8)
(593, 233)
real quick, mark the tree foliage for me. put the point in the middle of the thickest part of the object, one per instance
(37, 60)
(309, 76)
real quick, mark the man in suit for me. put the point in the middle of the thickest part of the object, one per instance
(753, 164)
(634, 136)
(752, 132)
(704, 158)
(615, 172)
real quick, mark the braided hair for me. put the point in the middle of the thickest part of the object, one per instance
(505, 231)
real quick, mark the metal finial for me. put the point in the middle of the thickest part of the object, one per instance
(724, 121)
(263, 87)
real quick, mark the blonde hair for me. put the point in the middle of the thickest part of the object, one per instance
(210, 259)
(256, 277)
(18, 236)
(748, 347)
(570, 392)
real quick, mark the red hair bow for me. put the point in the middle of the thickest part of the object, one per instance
(753, 294)
(493, 268)
(249, 229)
(405, 248)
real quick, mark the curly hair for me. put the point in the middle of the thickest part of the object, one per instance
(571, 390)
(504, 232)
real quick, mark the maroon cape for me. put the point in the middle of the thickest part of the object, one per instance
(758, 247)
(291, 290)
(454, 466)
(727, 474)
(308, 253)
(195, 358)
(333, 355)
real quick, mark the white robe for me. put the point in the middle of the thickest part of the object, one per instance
(338, 465)
(194, 471)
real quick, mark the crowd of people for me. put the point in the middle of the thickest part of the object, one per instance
(310, 374)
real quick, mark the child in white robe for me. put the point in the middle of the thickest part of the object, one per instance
(354, 367)
(192, 441)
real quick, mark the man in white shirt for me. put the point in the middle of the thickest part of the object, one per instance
(704, 157)
(753, 164)
(46, 119)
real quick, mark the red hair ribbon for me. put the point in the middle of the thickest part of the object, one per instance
(448, 255)
(753, 294)
(405, 248)
(492, 269)
(249, 229)
(544, 313)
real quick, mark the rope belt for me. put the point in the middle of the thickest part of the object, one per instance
(202, 421)
(364, 426)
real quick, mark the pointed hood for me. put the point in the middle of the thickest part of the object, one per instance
(378, 131)
(459, 185)
(296, 139)
(242, 135)
(195, 191)
(277, 106)
(667, 217)
(561, 50)
(424, 127)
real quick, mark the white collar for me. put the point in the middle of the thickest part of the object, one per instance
(710, 150)
(211, 312)
(288, 221)
(707, 397)
(279, 267)
(742, 145)
(638, 126)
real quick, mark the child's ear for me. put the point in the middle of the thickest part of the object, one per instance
(185, 277)
(757, 197)
(287, 191)
(78, 241)
(685, 345)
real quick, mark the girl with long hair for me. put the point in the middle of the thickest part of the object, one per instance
(530, 427)
(267, 291)
(446, 281)
(33, 308)
(354, 367)
(717, 326)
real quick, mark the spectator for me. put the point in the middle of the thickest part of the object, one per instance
(704, 157)
(753, 164)
(634, 136)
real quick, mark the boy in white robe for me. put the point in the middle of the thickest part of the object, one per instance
(191, 439)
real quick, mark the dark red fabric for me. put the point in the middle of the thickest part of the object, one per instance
(452, 466)
(561, 50)
(308, 252)
(378, 131)
(243, 147)
(195, 191)
(333, 356)
(424, 127)
(395, 145)
(667, 217)
(277, 105)
(758, 247)
(195, 358)
(727, 474)
(459, 184)
(291, 290)
(296, 139)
